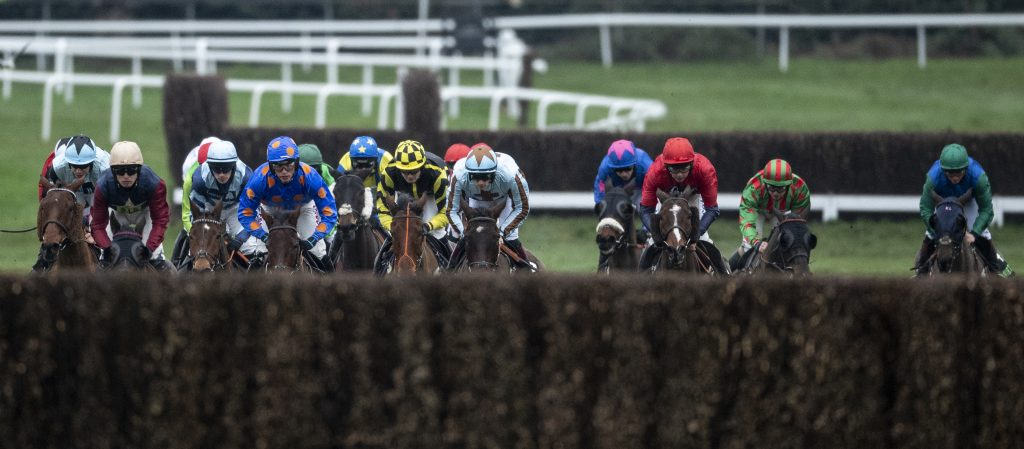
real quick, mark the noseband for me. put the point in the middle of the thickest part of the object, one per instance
(417, 262)
(215, 261)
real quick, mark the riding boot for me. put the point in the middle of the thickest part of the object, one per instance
(457, 254)
(383, 260)
(996, 263)
(716, 259)
(921, 265)
(735, 261)
(517, 246)
(649, 256)
(440, 250)
(180, 247)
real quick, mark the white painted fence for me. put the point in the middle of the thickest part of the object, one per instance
(830, 205)
(604, 23)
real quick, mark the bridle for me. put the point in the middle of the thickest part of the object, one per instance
(786, 260)
(417, 262)
(215, 261)
(484, 264)
(64, 243)
(295, 247)
(674, 259)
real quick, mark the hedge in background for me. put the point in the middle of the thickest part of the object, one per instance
(531, 362)
(195, 107)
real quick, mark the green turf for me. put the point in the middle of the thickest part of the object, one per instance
(966, 95)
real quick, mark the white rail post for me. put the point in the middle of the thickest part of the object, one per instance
(60, 60)
(115, 108)
(254, 105)
(606, 45)
(922, 47)
(40, 56)
(69, 88)
(176, 59)
(8, 75)
(399, 110)
(307, 56)
(286, 89)
(202, 46)
(489, 68)
(137, 75)
(332, 61)
(48, 104)
(367, 106)
(784, 49)
(453, 81)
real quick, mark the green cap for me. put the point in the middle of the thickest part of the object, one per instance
(310, 154)
(954, 157)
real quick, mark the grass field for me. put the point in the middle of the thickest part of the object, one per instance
(962, 95)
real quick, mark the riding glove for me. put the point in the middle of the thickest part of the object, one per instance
(308, 244)
(426, 228)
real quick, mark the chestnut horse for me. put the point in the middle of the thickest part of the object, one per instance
(60, 229)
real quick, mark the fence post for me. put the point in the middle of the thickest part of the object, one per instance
(286, 90)
(137, 75)
(922, 46)
(332, 61)
(606, 45)
(367, 105)
(784, 49)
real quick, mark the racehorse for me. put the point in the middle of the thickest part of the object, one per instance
(284, 252)
(950, 225)
(355, 244)
(207, 244)
(410, 248)
(788, 250)
(616, 235)
(59, 227)
(483, 247)
(677, 222)
(127, 251)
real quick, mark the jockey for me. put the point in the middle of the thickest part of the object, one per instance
(196, 157)
(81, 158)
(679, 167)
(221, 178)
(773, 189)
(193, 160)
(57, 153)
(452, 155)
(412, 173)
(310, 155)
(284, 182)
(365, 160)
(486, 177)
(624, 164)
(953, 175)
(130, 189)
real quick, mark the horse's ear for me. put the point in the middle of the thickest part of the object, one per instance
(418, 205)
(496, 210)
(936, 197)
(196, 210)
(389, 201)
(217, 208)
(268, 219)
(662, 196)
(812, 241)
(629, 188)
(76, 184)
(47, 185)
(963, 199)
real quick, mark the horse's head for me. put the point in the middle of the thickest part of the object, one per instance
(482, 235)
(58, 221)
(127, 252)
(207, 239)
(676, 223)
(615, 213)
(790, 249)
(406, 231)
(950, 225)
(355, 205)
(283, 249)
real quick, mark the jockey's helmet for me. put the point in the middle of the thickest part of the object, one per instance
(622, 154)
(310, 154)
(282, 149)
(777, 172)
(481, 159)
(410, 155)
(222, 151)
(953, 157)
(363, 147)
(125, 153)
(80, 150)
(455, 152)
(678, 150)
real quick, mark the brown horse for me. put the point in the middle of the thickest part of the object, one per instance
(355, 243)
(788, 250)
(284, 252)
(616, 235)
(59, 227)
(483, 248)
(676, 225)
(208, 250)
(408, 244)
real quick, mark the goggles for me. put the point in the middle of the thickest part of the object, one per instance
(679, 168)
(222, 168)
(80, 167)
(286, 165)
(624, 169)
(481, 176)
(958, 171)
(777, 189)
(125, 170)
(363, 164)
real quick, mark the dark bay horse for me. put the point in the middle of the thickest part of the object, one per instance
(789, 248)
(616, 231)
(355, 243)
(412, 253)
(59, 227)
(484, 250)
(950, 225)
(208, 249)
(284, 252)
(127, 250)
(676, 223)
